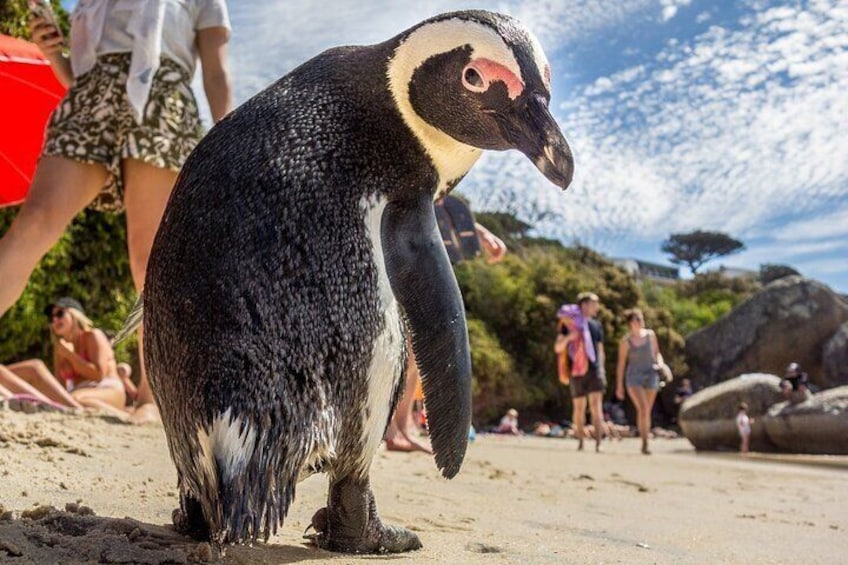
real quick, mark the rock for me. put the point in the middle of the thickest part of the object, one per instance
(789, 320)
(708, 417)
(819, 425)
(835, 357)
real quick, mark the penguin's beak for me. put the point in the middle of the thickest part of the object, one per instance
(532, 130)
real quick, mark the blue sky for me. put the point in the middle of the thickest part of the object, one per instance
(682, 114)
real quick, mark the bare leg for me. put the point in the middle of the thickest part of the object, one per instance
(650, 398)
(60, 189)
(5, 393)
(124, 373)
(147, 192)
(35, 373)
(108, 400)
(596, 408)
(643, 414)
(402, 432)
(578, 416)
(16, 385)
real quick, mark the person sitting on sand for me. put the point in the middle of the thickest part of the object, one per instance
(509, 423)
(82, 358)
(795, 384)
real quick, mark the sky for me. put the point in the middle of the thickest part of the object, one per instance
(682, 114)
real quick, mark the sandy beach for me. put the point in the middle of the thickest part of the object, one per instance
(517, 500)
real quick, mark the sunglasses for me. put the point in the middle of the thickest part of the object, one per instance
(57, 314)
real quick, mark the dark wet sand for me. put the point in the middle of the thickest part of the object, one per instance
(517, 500)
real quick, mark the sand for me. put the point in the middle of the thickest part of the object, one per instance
(517, 500)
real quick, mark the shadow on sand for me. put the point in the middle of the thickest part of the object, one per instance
(75, 535)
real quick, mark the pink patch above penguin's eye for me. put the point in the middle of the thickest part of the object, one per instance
(478, 75)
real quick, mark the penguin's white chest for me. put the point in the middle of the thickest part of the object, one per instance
(386, 364)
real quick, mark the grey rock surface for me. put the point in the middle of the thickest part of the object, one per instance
(818, 425)
(789, 320)
(708, 417)
(835, 358)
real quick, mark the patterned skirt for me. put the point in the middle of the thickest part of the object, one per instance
(94, 123)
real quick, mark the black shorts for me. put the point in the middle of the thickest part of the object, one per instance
(590, 382)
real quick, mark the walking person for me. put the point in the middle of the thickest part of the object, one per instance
(639, 360)
(123, 130)
(582, 337)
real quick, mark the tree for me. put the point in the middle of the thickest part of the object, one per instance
(770, 272)
(696, 248)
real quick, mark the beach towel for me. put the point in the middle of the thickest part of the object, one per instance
(580, 351)
(562, 368)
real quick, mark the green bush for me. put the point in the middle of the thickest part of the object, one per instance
(89, 263)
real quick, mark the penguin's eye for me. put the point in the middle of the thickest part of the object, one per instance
(473, 80)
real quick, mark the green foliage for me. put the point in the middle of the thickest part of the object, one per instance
(89, 263)
(696, 248)
(770, 272)
(699, 302)
(512, 308)
(14, 15)
(505, 226)
(495, 382)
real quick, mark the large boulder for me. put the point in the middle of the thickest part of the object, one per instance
(708, 417)
(789, 320)
(818, 425)
(835, 357)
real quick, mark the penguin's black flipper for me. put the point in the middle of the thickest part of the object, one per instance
(423, 282)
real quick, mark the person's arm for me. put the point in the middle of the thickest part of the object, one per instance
(57, 360)
(97, 345)
(50, 42)
(493, 245)
(212, 49)
(560, 343)
(602, 358)
(623, 348)
(563, 339)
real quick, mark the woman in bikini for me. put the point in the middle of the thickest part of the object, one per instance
(639, 359)
(82, 358)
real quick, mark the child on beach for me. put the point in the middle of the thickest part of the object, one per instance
(509, 423)
(743, 424)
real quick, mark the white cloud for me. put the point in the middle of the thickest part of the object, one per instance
(271, 38)
(670, 7)
(733, 130)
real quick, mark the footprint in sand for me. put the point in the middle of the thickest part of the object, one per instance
(477, 547)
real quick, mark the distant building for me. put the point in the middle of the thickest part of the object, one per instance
(645, 270)
(737, 273)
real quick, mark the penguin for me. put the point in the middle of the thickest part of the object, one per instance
(298, 251)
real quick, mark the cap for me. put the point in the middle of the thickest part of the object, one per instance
(64, 302)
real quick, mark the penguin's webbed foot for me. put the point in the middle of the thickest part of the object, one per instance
(349, 524)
